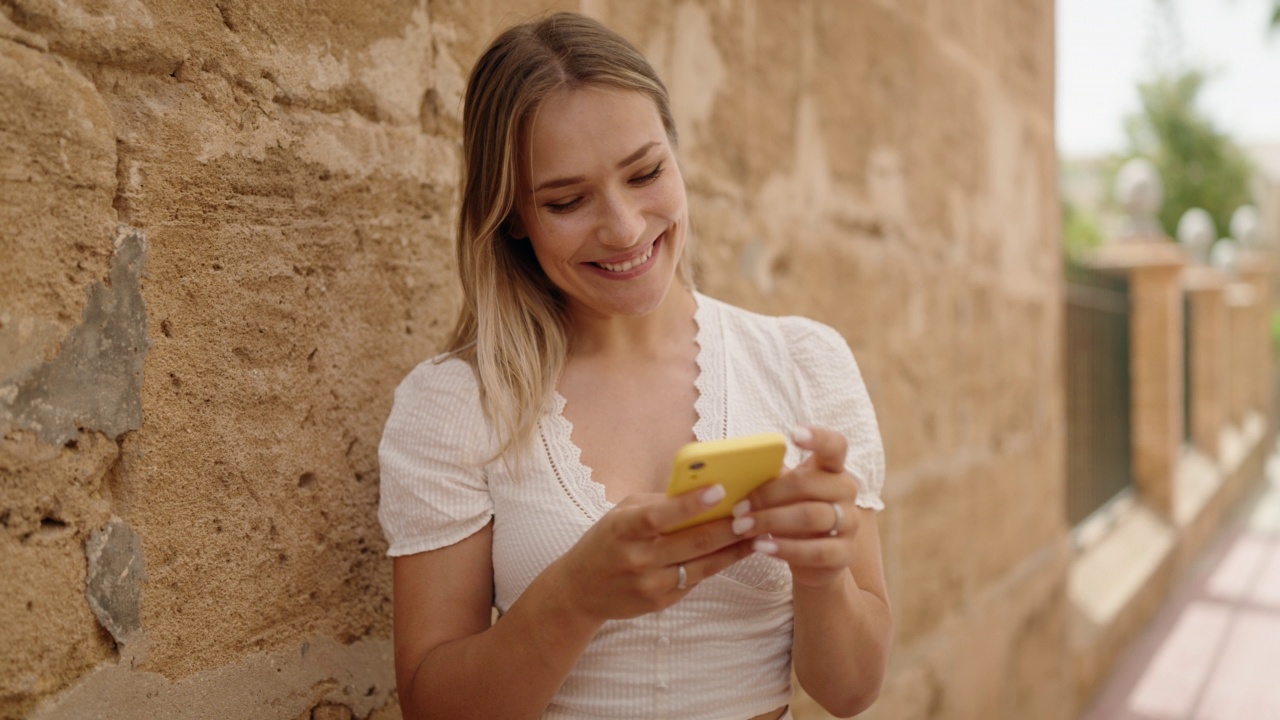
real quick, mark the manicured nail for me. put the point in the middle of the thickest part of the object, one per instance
(768, 547)
(713, 495)
(742, 508)
(743, 524)
(801, 435)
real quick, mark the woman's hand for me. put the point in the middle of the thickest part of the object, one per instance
(624, 566)
(807, 516)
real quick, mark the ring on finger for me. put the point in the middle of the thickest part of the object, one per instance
(837, 521)
(683, 576)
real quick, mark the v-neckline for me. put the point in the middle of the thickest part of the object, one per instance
(556, 429)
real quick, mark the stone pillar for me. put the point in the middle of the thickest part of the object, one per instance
(1255, 271)
(1154, 268)
(1210, 388)
(1240, 302)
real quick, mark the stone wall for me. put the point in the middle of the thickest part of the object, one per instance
(227, 237)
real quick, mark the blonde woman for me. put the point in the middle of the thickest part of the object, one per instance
(524, 469)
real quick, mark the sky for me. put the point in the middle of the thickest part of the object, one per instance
(1106, 47)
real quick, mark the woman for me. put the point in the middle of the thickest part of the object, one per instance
(524, 469)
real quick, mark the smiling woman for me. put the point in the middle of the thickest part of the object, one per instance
(524, 468)
(607, 215)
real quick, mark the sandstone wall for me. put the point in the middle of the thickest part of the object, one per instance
(226, 231)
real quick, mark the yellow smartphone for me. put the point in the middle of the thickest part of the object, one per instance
(739, 464)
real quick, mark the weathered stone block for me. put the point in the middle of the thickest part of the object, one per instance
(934, 521)
(113, 587)
(50, 497)
(95, 381)
(1021, 509)
(57, 180)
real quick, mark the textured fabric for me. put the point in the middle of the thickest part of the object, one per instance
(724, 651)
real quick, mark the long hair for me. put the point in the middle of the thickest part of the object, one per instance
(513, 326)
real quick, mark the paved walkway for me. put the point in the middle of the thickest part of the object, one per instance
(1213, 650)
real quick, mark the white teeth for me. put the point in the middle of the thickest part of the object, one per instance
(627, 265)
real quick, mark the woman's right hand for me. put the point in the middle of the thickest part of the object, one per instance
(625, 566)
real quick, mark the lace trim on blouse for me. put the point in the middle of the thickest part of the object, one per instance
(556, 431)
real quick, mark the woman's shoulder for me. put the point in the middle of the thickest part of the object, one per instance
(444, 383)
(438, 405)
(446, 372)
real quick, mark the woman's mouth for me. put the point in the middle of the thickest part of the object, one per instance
(630, 264)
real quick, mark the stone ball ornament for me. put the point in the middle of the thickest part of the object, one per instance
(1245, 226)
(1224, 255)
(1196, 233)
(1140, 192)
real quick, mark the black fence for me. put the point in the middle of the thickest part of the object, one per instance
(1099, 444)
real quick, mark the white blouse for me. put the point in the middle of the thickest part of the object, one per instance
(724, 650)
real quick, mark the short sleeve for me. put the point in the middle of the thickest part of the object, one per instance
(837, 398)
(433, 488)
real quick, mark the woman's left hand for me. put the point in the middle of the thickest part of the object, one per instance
(807, 515)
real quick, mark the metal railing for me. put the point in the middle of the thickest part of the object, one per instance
(1099, 448)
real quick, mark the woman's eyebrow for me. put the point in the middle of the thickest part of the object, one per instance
(563, 182)
(637, 154)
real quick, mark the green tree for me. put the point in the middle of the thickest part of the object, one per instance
(1080, 232)
(1199, 165)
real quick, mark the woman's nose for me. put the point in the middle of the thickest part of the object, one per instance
(622, 223)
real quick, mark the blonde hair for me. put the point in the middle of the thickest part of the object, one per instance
(513, 326)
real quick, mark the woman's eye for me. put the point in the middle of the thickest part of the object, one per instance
(648, 177)
(641, 181)
(564, 206)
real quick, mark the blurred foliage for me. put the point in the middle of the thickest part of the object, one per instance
(1275, 332)
(1080, 232)
(1275, 14)
(1199, 165)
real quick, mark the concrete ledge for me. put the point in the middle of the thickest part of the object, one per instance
(1118, 581)
(1114, 587)
(321, 678)
(1208, 491)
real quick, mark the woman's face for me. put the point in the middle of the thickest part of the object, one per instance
(602, 201)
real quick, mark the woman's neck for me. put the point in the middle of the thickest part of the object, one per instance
(623, 336)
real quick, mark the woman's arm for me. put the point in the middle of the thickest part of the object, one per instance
(843, 626)
(451, 663)
(843, 631)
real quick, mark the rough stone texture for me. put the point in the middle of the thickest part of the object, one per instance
(1001, 659)
(50, 498)
(886, 167)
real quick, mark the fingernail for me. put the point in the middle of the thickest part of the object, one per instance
(743, 524)
(713, 494)
(767, 547)
(801, 435)
(742, 508)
